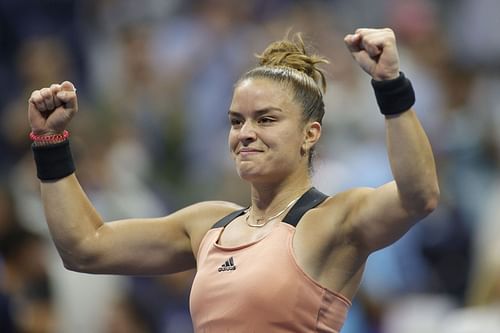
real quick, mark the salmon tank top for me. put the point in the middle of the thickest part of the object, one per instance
(259, 287)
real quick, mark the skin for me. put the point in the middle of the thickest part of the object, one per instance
(269, 144)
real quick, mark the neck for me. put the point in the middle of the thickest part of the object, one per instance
(270, 198)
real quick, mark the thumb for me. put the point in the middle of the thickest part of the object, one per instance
(67, 95)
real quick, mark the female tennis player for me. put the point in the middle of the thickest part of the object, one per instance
(291, 261)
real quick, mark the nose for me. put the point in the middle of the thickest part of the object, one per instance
(247, 133)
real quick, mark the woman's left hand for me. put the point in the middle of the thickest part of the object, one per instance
(375, 51)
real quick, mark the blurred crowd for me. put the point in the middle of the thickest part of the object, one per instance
(155, 80)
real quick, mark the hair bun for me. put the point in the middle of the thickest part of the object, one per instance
(292, 53)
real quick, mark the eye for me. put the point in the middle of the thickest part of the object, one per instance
(266, 120)
(235, 122)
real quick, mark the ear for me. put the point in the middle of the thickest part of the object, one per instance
(312, 133)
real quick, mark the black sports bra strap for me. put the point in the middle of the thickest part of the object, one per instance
(228, 218)
(308, 200)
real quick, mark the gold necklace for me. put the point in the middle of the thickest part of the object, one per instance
(266, 220)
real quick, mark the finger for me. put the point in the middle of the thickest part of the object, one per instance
(68, 86)
(369, 41)
(68, 98)
(375, 40)
(364, 59)
(35, 116)
(371, 47)
(353, 42)
(68, 94)
(364, 31)
(48, 98)
(65, 96)
(380, 40)
(55, 88)
(37, 100)
(31, 104)
(363, 40)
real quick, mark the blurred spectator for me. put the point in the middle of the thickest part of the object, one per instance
(485, 287)
(472, 31)
(40, 61)
(24, 287)
(166, 301)
(125, 316)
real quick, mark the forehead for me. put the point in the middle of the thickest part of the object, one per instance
(258, 94)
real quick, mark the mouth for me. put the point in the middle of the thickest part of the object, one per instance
(248, 151)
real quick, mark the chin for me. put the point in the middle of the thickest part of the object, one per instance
(249, 175)
(256, 177)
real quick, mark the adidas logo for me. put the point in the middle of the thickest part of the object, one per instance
(227, 266)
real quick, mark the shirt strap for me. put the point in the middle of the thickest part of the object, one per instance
(228, 218)
(308, 200)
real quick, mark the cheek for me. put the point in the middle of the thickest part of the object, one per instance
(232, 140)
(290, 142)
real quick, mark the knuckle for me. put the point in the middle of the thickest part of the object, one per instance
(45, 92)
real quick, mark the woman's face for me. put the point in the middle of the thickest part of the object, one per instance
(267, 133)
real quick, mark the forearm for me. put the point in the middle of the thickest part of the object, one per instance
(71, 218)
(412, 162)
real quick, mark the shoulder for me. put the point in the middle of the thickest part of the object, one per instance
(200, 217)
(345, 202)
(205, 213)
(331, 215)
(213, 209)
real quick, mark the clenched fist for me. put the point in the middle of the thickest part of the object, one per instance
(51, 109)
(375, 51)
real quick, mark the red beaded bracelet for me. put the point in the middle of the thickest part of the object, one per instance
(49, 138)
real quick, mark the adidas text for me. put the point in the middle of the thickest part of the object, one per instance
(228, 265)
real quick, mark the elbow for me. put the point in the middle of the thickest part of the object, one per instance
(79, 260)
(422, 204)
(71, 265)
(76, 265)
(431, 202)
(80, 265)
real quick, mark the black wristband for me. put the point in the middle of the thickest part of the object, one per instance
(394, 96)
(53, 161)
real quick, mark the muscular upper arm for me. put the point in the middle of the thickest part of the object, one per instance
(377, 217)
(150, 246)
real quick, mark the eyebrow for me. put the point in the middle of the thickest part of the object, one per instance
(258, 112)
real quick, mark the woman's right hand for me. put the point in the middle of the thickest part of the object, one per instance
(51, 109)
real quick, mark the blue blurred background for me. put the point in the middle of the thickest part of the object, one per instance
(155, 79)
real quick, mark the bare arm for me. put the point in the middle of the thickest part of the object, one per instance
(134, 246)
(380, 216)
(84, 241)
